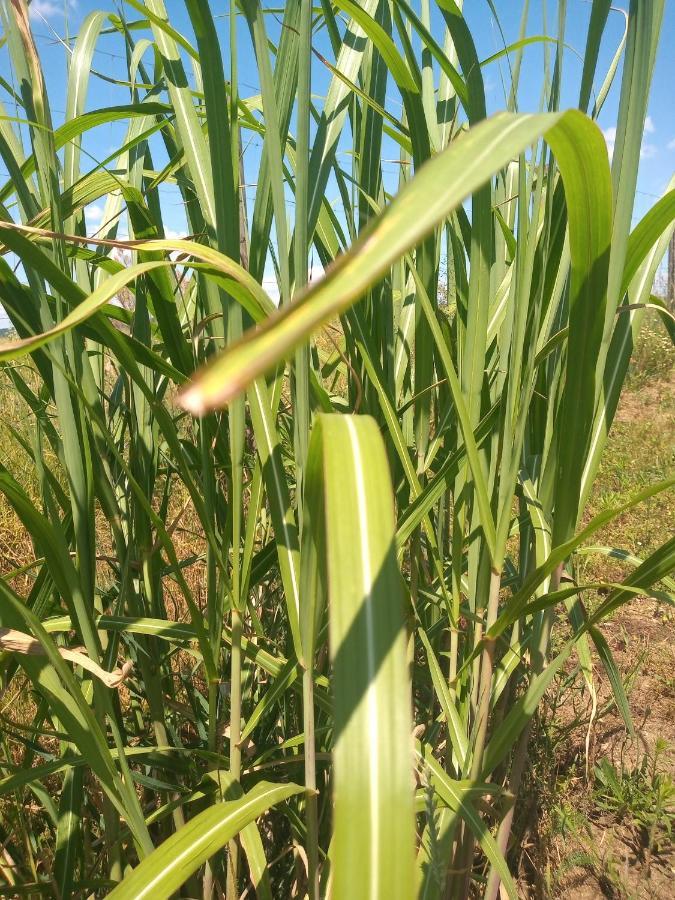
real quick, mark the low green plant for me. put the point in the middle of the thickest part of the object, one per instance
(641, 797)
(652, 360)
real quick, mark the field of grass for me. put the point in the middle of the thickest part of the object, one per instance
(581, 836)
(573, 838)
(365, 594)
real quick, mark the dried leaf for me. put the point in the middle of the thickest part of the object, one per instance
(17, 642)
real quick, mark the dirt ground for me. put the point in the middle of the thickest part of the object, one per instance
(582, 840)
(618, 863)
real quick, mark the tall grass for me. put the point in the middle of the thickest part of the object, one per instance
(339, 582)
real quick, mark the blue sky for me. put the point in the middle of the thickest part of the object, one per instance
(57, 18)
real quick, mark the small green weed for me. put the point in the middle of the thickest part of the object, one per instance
(652, 358)
(642, 798)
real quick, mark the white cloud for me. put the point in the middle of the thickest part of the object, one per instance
(271, 287)
(671, 144)
(490, 85)
(170, 234)
(44, 9)
(609, 135)
(48, 9)
(94, 213)
(316, 273)
(647, 151)
(123, 255)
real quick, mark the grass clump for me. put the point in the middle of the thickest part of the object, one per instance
(337, 541)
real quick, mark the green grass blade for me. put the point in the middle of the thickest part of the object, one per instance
(373, 843)
(69, 831)
(418, 208)
(171, 864)
(457, 798)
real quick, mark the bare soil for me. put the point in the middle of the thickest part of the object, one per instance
(572, 847)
